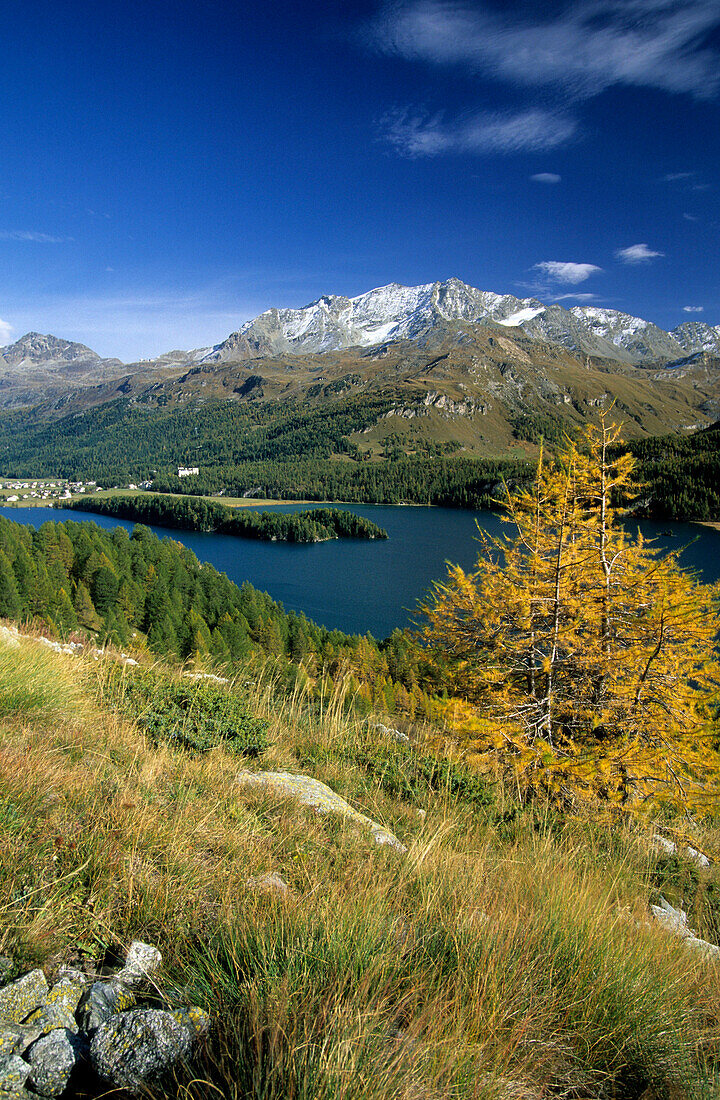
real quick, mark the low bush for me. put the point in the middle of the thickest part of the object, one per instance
(191, 714)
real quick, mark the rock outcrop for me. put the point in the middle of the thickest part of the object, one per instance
(101, 1027)
(313, 793)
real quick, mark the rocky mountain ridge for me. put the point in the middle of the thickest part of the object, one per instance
(38, 367)
(394, 312)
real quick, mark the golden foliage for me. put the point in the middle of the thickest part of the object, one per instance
(583, 656)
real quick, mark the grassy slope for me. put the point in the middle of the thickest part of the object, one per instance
(506, 944)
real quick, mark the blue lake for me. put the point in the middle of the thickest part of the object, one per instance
(358, 585)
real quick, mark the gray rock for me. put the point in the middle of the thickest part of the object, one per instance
(72, 974)
(59, 1008)
(8, 638)
(16, 1038)
(141, 961)
(311, 792)
(13, 1073)
(20, 998)
(388, 731)
(675, 921)
(661, 843)
(137, 1047)
(102, 1001)
(271, 883)
(52, 1060)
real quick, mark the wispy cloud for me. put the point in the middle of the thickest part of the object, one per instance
(24, 235)
(673, 177)
(578, 297)
(693, 309)
(546, 177)
(566, 273)
(636, 254)
(535, 131)
(583, 49)
(691, 217)
(6, 330)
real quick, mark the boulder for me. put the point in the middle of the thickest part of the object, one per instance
(662, 844)
(675, 921)
(141, 961)
(60, 1006)
(14, 1072)
(102, 1001)
(388, 731)
(21, 997)
(271, 883)
(138, 1047)
(311, 792)
(16, 1038)
(52, 1060)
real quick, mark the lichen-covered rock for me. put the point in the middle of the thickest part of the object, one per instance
(102, 1001)
(16, 1038)
(141, 961)
(196, 1019)
(21, 997)
(311, 792)
(14, 1072)
(137, 1047)
(52, 1060)
(59, 1008)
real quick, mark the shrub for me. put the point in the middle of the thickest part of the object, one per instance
(191, 714)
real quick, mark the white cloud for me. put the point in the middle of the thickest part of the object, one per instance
(672, 177)
(636, 254)
(578, 297)
(693, 309)
(23, 235)
(533, 131)
(546, 177)
(5, 333)
(588, 47)
(566, 273)
(691, 218)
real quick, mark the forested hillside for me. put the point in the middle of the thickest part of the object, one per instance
(681, 474)
(139, 590)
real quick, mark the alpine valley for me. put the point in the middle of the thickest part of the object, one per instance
(439, 371)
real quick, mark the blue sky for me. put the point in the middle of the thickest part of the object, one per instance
(172, 168)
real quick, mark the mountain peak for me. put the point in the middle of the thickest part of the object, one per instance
(41, 347)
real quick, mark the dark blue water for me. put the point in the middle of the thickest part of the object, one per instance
(359, 586)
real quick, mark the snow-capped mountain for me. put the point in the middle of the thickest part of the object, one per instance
(396, 312)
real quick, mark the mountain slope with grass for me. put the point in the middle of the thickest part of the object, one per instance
(508, 952)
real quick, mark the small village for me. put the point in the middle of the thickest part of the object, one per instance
(14, 490)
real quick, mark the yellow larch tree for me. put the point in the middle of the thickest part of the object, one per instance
(586, 656)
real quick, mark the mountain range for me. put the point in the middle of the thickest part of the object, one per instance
(440, 365)
(38, 365)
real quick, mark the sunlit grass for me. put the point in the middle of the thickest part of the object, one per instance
(507, 945)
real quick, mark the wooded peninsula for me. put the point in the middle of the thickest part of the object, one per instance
(196, 514)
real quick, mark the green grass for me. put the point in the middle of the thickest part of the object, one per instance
(507, 945)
